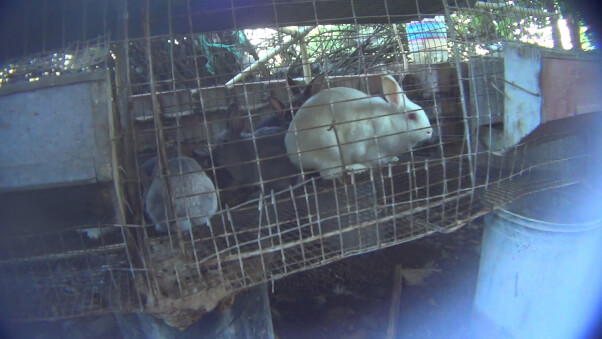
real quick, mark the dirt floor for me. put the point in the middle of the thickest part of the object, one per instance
(351, 298)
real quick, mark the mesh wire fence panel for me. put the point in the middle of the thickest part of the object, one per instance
(246, 154)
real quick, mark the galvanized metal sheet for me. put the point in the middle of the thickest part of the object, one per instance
(48, 136)
(486, 90)
(522, 103)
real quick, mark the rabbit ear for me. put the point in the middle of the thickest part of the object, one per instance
(277, 106)
(233, 109)
(294, 85)
(315, 85)
(238, 125)
(201, 152)
(236, 122)
(393, 92)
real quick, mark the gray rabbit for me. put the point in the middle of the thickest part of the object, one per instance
(283, 114)
(235, 151)
(195, 199)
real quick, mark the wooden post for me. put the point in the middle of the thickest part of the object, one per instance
(395, 301)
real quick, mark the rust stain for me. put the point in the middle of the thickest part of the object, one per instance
(569, 88)
(519, 126)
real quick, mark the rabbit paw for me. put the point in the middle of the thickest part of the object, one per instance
(205, 221)
(357, 168)
(331, 173)
(93, 233)
(185, 225)
(337, 172)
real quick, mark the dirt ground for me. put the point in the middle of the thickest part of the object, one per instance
(351, 298)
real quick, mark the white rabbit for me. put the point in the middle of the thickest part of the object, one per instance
(195, 199)
(370, 130)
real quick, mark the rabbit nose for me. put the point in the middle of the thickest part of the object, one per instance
(429, 131)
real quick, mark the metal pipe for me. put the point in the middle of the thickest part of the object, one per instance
(305, 61)
(271, 53)
(289, 31)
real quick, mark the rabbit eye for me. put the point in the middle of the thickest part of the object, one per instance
(412, 116)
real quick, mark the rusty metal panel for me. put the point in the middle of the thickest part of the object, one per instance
(55, 136)
(570, 87)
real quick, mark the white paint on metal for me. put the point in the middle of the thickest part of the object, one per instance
(522, 103)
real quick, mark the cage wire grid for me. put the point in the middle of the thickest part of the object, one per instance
(178, 106)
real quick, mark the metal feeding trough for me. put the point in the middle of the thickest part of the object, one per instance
(539, 274)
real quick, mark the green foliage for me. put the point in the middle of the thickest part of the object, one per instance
(483, 29)
(342, 49)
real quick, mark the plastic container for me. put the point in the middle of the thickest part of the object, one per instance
(540, 279)
(427, 40)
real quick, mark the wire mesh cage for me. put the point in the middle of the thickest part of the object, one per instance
(250, 147)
